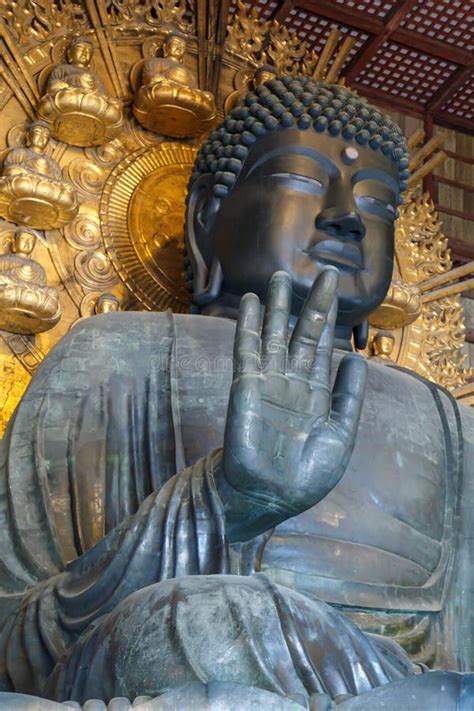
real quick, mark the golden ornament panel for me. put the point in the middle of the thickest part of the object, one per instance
(118, 243)
(142, 215)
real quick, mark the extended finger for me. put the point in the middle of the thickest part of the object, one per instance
(311, 321)
(247, 337)
(321, 370)
(275, 324)
(348, 395)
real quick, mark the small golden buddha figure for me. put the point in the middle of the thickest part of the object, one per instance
(27, 304)
(33, 191)
(248, 80)
(382, 345)
(75, 105)
(169, 101)
(106, 304)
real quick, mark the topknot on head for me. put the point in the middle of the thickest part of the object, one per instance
(300, 102)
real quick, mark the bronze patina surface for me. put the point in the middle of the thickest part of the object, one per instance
(235, 494)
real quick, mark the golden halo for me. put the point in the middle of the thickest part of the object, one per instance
(142, 213)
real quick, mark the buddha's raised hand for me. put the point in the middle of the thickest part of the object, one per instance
(288, 435)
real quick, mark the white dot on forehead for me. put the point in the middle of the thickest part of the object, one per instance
(349, 155)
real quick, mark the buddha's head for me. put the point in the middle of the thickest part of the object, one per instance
(107, 303)
(80, 52)
(302, 175)
(174, 46)
(38, 135)
(24, 241)
(383, 343)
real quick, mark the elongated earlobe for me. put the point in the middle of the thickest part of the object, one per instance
(204, 270)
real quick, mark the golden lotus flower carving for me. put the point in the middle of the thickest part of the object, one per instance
(401, 306)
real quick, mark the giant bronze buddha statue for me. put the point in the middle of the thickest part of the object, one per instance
(172, 514)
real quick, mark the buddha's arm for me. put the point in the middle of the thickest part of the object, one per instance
(177, 531)
(65, 77)
(54, 170)
(153, 72)
(59, 79)
(13, 163)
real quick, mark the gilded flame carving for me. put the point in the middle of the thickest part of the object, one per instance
(432, 338)
(441, 356)
(260, 42)
(30, 20)
(130, 14)
(285, 49)
(247, 33)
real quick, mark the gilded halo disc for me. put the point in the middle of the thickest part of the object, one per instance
(142, 212)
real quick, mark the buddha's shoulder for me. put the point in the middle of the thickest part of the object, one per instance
(131, 332)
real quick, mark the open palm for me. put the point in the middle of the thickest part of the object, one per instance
(289, 436)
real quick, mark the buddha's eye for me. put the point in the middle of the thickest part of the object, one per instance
(376, 206)
(375, 197)
(302, 183)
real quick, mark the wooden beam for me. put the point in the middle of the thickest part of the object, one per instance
(221, 30)
(451, 290)
(460, 157)
(339, 13)
(449, 88)
(428, 179)
(455, 213)
(448, 52)
(281, 12)
(369, 48)
(453, 275)
(453, 183)
(456, 123)
(460, 248)
(373, 26)
(389, 101)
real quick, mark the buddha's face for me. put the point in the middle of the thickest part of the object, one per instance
(175, 48)
(383, 344)
(304, 200)
(107, 304)
(23, 243)
(38, 137)
(81, 54)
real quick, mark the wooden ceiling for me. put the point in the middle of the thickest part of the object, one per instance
(413, 56)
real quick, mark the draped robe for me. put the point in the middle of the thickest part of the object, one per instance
(127, 400)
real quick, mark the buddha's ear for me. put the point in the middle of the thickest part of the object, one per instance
(202, 208)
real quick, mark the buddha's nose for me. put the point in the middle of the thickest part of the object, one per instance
(346, 225)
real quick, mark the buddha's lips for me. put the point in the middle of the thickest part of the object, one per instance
(333, 251)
